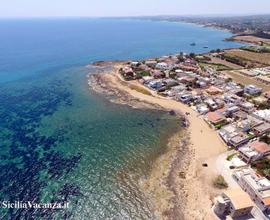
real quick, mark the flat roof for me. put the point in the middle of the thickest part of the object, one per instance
(239, 199)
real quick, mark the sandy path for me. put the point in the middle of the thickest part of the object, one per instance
(205, 147)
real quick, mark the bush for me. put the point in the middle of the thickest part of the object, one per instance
(220, 183)
(230, 157)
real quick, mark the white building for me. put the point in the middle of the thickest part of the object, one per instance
(254, 151)
(252, 90)
(162, 66)
(257, 187)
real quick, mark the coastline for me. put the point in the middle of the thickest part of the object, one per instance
(179, 185)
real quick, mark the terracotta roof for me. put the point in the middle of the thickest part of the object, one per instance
(239, 198)
(215, 117)
(213, 89)
(266, 201)
(260, 147)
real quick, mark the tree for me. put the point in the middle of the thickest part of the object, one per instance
(192, 55)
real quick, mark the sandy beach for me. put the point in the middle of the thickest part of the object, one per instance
(181, 187)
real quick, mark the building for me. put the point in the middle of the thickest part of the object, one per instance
(211, 104)
(263, 115)
(254, 151)
(261, 129)
(216, 118)
(227, 132)
(162, 66)
(256, 186)
(184, 97)
(247, 107)
(212, 90)
(235, 203)
(151, 63)
(128, 73)
(155, 84)
(202, 108)
(252, 90)
(239, 140)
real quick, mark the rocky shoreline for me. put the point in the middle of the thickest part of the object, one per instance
(178, 185)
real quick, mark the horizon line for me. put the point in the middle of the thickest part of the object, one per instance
(139, 16)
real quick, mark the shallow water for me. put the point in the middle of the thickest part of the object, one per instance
(61, 142)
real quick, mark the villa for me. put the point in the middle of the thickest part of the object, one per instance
(252, 90)
(235, 203)
(257, 187)
(254, 151)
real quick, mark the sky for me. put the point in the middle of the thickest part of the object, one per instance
(105, 8)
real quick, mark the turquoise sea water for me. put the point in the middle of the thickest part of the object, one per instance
(59, 141)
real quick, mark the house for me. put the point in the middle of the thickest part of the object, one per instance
(162, 66)
(252, 90)
(151, 63)
(170, 82)
(214, 90)
(256, 186)
(230, 110)
(155, 84)
(239, 115)
(128, 72)
(249, 123)
(216, 118)
(188, 80)
(227, 132)
(263, 115)
(211, 104)
(157, 74)
(146, 79)
(247, 107)
(261, 129)
(184, 97)
(232, 99)
(134, 64)
(254, 151)
(235, 203)
(202, 108)
(239, 140)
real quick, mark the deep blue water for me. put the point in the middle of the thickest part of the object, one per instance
(59, 141)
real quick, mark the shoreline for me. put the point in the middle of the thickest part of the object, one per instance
(189, 184)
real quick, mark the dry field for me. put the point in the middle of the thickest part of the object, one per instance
(258, 58)
(245, 80)
(251, 39)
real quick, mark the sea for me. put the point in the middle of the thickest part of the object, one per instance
(62, 143)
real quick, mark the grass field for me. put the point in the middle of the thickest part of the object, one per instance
(245, 80)
(140, 89)
(258, 59)
(216, 66)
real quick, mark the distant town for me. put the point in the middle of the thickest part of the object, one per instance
(230, 90)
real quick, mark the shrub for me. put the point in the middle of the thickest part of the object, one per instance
(220, 183)
(230, 157)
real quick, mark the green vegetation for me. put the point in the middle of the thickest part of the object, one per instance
(265, 139)
(263, 106)
(221, 124)
(262, 167)
(220, 183)
(231, 156)
(140, 89)
(141, 74)
(234, 59)
(216, 66)
(256, 49)
(229, 80)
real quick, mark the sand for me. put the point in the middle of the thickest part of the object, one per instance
(182, 189)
